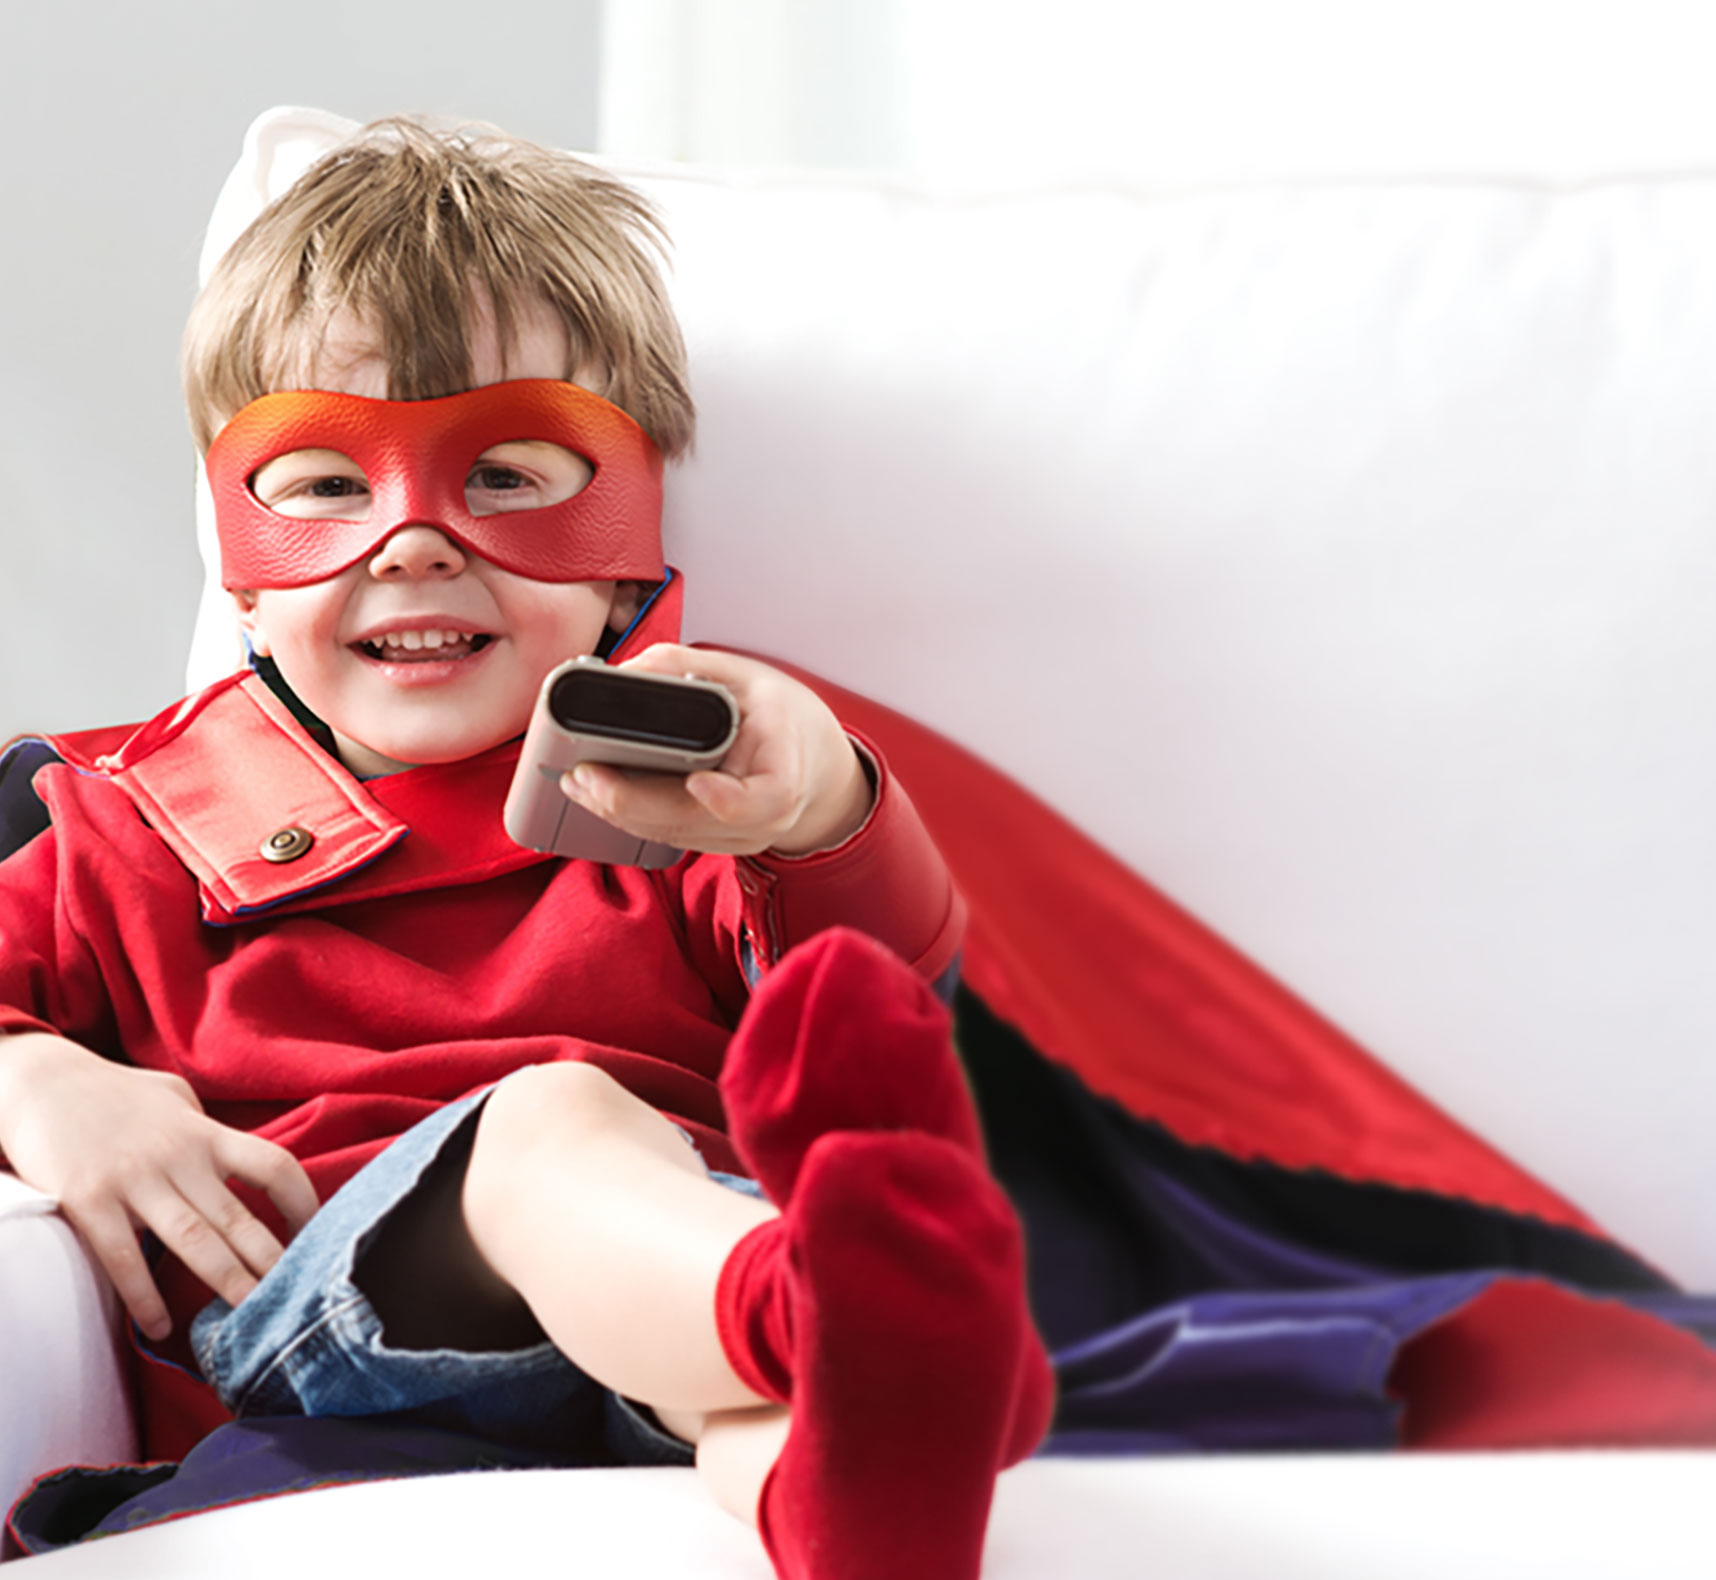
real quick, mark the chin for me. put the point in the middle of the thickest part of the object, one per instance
(444, 751)
(393, 753)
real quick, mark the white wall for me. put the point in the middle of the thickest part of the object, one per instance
(1161, 92)
(1165, 92)
(757, 82)
(124, 120)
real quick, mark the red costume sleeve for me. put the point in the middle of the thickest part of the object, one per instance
(49, 979)
(887, 880)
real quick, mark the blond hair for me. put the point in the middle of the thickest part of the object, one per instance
(420, 233)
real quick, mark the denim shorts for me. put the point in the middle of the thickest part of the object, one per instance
(306, 1340)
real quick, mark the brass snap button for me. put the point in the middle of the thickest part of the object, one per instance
(287, 844)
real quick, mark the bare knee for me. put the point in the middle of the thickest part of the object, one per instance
(555, 1100)
(570, 1109)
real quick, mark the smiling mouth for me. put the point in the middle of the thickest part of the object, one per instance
(424, 647)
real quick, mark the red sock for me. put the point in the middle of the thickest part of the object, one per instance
(842, 1035)
(753, 1314)
(753, 1311)
(892, 1299)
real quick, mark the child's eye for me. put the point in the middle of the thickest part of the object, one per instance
(524, 474)
(313, 485)
(497, 479)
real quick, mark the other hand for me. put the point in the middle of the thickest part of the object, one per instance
(124, 1150)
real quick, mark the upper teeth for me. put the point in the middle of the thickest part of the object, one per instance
(416, 639)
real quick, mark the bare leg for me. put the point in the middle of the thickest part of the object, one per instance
(736, 1450)
(591, 1205)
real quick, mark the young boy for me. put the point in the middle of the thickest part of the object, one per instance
(277, 936)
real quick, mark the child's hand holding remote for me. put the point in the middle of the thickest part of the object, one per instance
(792, 782)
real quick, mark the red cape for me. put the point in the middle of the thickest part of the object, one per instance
(1106, 976)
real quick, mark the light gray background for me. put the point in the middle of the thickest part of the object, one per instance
(125, 116)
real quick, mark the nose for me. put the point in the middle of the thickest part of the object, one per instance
(417, 553)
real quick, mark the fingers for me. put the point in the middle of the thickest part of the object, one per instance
(272, 1170)
(112, 1241)
(764, 798)
(675, 658)
(212, 1233)
(791, 781)
(710, 810)
(667, 800)
(239, 1245)
(198, 1218)
(217, 1240)
(126, 1150)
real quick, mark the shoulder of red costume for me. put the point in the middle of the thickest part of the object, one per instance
(107, 747)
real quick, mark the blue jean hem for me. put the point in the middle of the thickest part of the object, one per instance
(308, 1341)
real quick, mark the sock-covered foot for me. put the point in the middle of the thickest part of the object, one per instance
(842, 1035)
(902, 1301)
(754, 1301)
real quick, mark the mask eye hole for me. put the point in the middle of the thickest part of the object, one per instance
(524, 474)
(313, 485)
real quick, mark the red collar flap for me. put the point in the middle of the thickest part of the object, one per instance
(247, 801)
(265, 820)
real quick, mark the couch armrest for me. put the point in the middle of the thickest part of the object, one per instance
(63, 1398)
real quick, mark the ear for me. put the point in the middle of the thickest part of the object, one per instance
(250, 621)
(628, 599)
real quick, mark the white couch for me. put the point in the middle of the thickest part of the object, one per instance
(1338, 555)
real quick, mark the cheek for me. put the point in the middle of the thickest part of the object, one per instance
(293, 623)
(563, 620)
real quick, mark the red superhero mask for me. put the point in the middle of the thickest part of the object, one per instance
(416, 456)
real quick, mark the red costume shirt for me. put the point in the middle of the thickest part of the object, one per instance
(414, 952)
